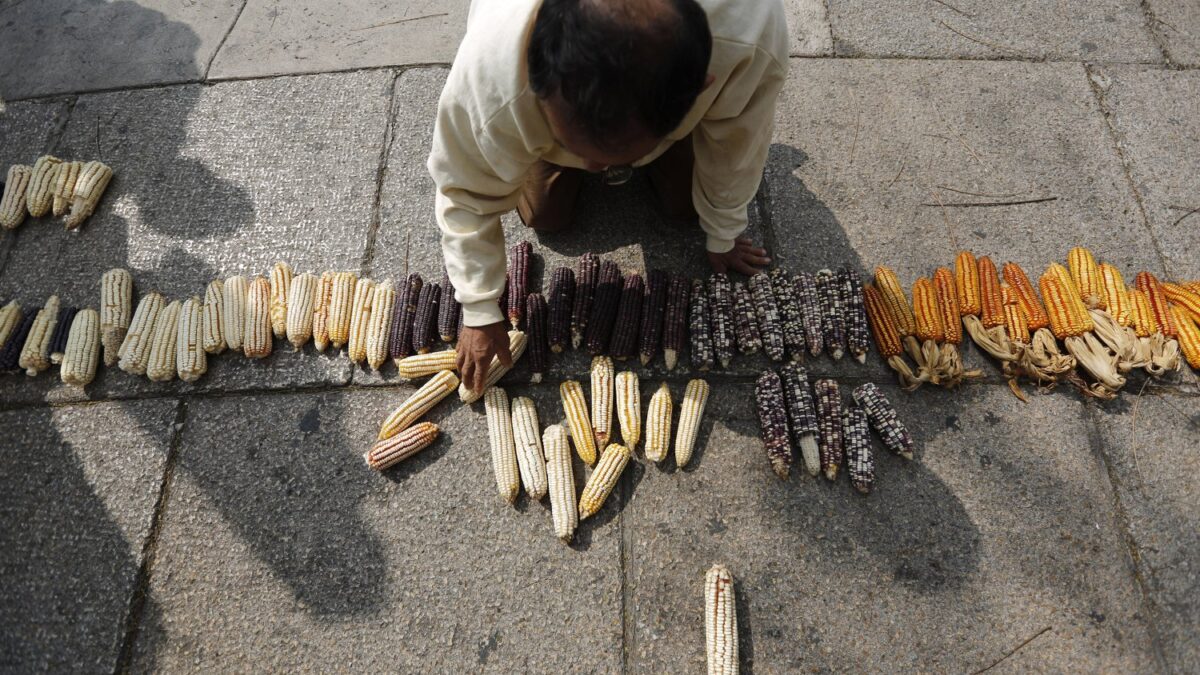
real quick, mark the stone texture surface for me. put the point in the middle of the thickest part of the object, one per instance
(808, 26)
(29, 130)
(1176, 22)
(77, 494)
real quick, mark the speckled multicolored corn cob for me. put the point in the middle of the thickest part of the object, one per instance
(860, 463)
(745, 323)
(829, 426)
(805, 285)
(585, 293)
(191, 361)
(624, 342)
(560, 302)
(654, 307)
(83, 349)
(1086, 275)
(496, 370)
(341, 305)
(700, 329)
(535, 321)
(1149, 285)
(10, 354)
(603, 479)
(791, 318)
(35, 353)
(560, 481)
(12, 204)
(116, 309)
(575, 410)
(360, 320)
(320, 318)
(602, 399)
(691, 412)
(675, 322)
(833, 314)
(90, 185)
(766, 309)
(1035, 313)
(298, 324)
(64, 186)
(604, 309)
(256, 331)
(212, 324)
(161, 365)
(281, 286)
(527, 433)
(801, 414)
(629, 407)
(62, 328)
(383, 306)
(387, 453)
(424, 324)
(772, 420)
(857, 340)
(518, 282)
(658, 424)
(884, 420)
(503, 443)
(404, 313)
(39, 195)
(720, 622)
(449, 312)
(421, 402)
(720, 309)
(135, 348)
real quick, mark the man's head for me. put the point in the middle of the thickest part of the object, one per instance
(616, 76)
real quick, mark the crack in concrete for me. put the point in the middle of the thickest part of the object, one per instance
(221, 44)
(389, 137)
(1159, 41)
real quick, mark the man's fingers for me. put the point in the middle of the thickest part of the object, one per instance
(465, 370)
(742, 266)
(753, 250)
(756, 260)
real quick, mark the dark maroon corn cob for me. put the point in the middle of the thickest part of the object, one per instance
(802, 414)
(403, 313)
(585, 293)
(700, 329)
(518, 282)
(805, 286)
(767, 311)
(536, 348)
(503, 301)
(859, 461)
(449, 312)
(675, 319)
(772, 421)
(624, 341)
(884, 420)
(833, 316)
(654, 308)
(10, 355)
(857, 335)
(58, 341)
(790, 316)
(562, 298)
(720, 307)
(604, 309)
(425, 319)
(829, 426)
(745, 323)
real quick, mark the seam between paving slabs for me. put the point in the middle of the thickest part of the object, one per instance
(389, 137)
(1152, 23)
(221, 44)
(628, 629)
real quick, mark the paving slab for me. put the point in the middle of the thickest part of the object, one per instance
(1150, 446)
(1176, 22)
(808, 27)
(1003, 526)
(1106, 30)
(29, 129)
(77, 496)
(60, 46)
(281, 549)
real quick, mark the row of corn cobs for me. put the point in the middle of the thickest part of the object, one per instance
(1107, 329)
(69, 189)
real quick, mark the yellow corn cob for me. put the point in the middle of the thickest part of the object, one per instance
(10, 318)
(1064, 315)
(135, 349)
(233, 311)
(503, 443)
(1141, 316)
(212, 320)
(602, 481)
(256, 332)
(421, 365)
(602, 399)
(1035, 313)
(387, 453)
(576, 412)
(12, 204)
(1147, 283)
(991, 312)
(528, 436)
(299, 321)
(378, 329)
(360, 318)
(116, 308)
(561, 482)
(281, 285)
(89, 188)
(161, 365)
(191, 361)
(1189, 336)
(720, 622)
(658, 424)
(691, 411)
(925, 309)
(629, 408)
(496, 370)
(1116, 298)
(83, 349)
(895, 301)
(1187, 300)
(1015, 324)
(1086, 275)
(421, 402)
(341, 302)
(1193, 286)
(39, 195)
(966, 282)
(64, 188)
(320, 318)
(947, 305)
(1068, 286)
(35, 354)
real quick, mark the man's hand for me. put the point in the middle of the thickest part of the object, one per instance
(476, 347)
(744, 258)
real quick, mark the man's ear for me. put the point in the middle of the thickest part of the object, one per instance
(708, 80)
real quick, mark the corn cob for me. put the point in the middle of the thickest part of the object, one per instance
(700, 329)
(1041, 360)
(603, 479)
(720, 622)
(1121, 341)
(604, 309)
(281, 284)
(855, 313)
(1140, 314)
(10, 318)
(10, 355)
(887, 337)
(116, 306)
(772, 419)
(1189, 336)
(135, 349)
(302, 296)
(991, 311)
(161, 366)
(602, 399)
(341, 306)
(1086, 275)
(421, 402)
(387, 453)
(83, 349)
(256, 329)
(64, 186)
(62, 328)
(629, 408)
(624, 341)
(896, 301)
(1035, 313)
(691, 412)
(561, 482)
(809, 297)
(1066, 315)
(1155, 353)
(191, 361)
(360, 320)
(928, 322)
(39, 194)
(528, 436)
(425, 319)
(585, 294)
(884, 420)
(496, 370)
(1193, 286)
(658, 425)
(383, 305)
(320, 318)
(1068, 286)
(1183, 297)
(1148, 284)
(212, 331)
(1015, 324)
(654, 307)
(89, 188)
(576, 412)
(535, 321)
(518, 282)
(233, 310)
(12, 204)
(1116, 297)
(35, 354)
(503, 443)
(422, 365)
(833, 314)
(766, 310)
(791, 317)
(403, 316)
(829, 426)
(449, 312)
(947, 303)
(675, 321)
(1071, 322)
(745, 324)
(966, 278)
(561, 299)
(801, 415)
(720, 309)
(860, 463)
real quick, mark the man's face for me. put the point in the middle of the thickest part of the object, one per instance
(626, 148)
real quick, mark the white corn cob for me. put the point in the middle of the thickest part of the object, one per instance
(504, 448)
(35, 354)
(341, 301)
(360, 317)
(161, 366)
(233, 311)
(691, 410)
(387, 453)
(378, 330)
(135, 349)
(301, 296)
(528, 436)
(629, 408)
(421, 402)
(421, 365)
(256, 329)
(212, 321)
(496, 370)
(720, 622)
(12, 204)
(320, 317)
(658, 424)
(39, 196)
(561, 482)
(602, 481)
(10, 318)
(602, 399)
(116, 308)
(191, 361)
(575, 410)
(89, 188)
(281, 286)
(64, 189)
(83, 349)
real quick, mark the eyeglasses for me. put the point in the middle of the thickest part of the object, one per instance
(618, 175)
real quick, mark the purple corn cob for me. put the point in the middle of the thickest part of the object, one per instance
(58, 342)
(518, 282)
(802, 414)
(805, 286)
(562, 298)
(585, 293)
(790, 317)
(833, 319)
(699, 328)
(829, 426)
(745, 323)
(625, 333)
(604, 309)
(403, 314)
(772, 421)
(654, 307)
(535, 321)
(675, 320)
(884, 420)
(449, 312)
(767, 312)
(857, 335)
(425, 318)
(10, 355)
(720, 307)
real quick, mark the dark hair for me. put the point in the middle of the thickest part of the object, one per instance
(613, 67)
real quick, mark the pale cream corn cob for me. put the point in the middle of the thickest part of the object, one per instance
(64, 188)
(89, 188)
(161, 365)
(603, 479)
(39, 196)
(387, 453)
(561, 482)
(360, 317)
(421, 402)
(35, 354)
(341, 303)
(10, 317)
(320, 317)
(233, 311)
(691, 410)
(528, 436)
(116, 308)
(281, 286)
(720, 622)
(629, 408)
(378, 329)
(575, 410)
(135, 349)
(504, 448)
(302, 295)
(421, 365)
(83, 349)
(516, 347)
(256, 331)
(212, 324)
(191, 361)
(658, 424)
(12, 204)
(602, 399)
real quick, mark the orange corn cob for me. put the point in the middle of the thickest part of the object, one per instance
(992, 308)
(1140, 314)
(1035, 313)
(1189, 336)
(1184, 298)
(895, 300)
(966, 277)
(1068, 284)
(947, 302)
(883, 328)
(1116, 298)
(925, 308)
(1015, 323)
(1159, 309)
(1193, 286)
(1086, 275)
(1064, 314)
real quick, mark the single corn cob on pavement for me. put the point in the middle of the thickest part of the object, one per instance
(603, 479)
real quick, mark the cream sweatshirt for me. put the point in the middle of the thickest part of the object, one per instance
(490, 131)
